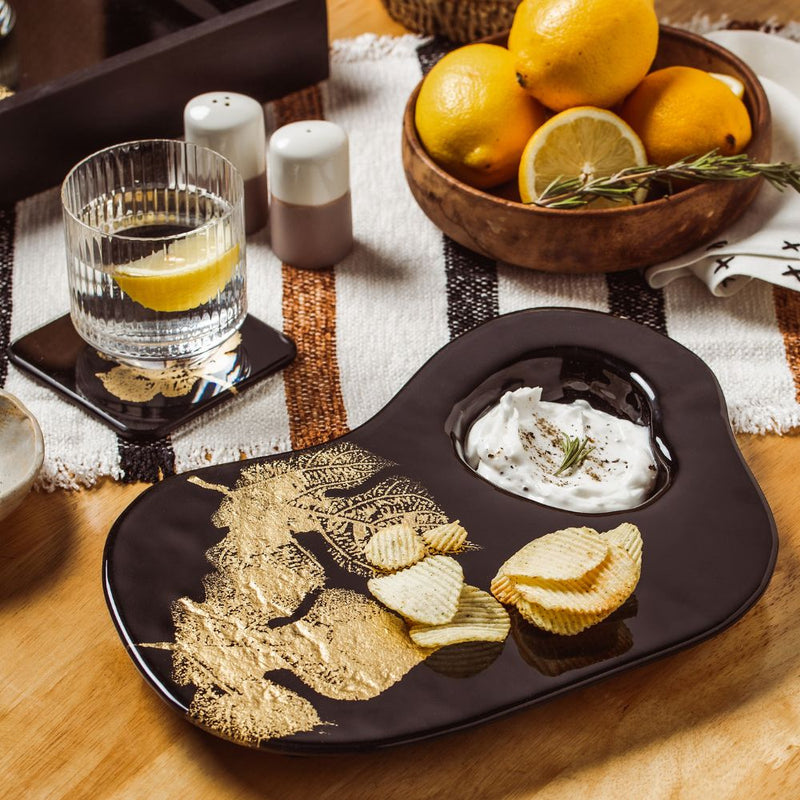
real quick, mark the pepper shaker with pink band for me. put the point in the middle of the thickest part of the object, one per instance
(310, 210)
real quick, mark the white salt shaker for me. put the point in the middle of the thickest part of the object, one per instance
(311, 223)
(233, 125)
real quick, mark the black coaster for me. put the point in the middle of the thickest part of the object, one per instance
(148, 404)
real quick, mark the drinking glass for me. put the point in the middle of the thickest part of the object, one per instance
(155, 251)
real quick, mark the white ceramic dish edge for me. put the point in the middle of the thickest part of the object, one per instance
(21, 452)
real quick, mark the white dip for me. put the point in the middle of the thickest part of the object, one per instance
(517, 445)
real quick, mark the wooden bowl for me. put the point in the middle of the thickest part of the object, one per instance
(586, 240)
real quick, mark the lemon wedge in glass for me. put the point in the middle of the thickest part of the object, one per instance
(583, 142)
(186, 274)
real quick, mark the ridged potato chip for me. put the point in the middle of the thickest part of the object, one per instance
(566, 623)
(426, 592)
(479, 618)
(600, 592)
(565, 555)
(448, 538)
(629, 538)
(394, 547)
(503, 589)
(569, 580)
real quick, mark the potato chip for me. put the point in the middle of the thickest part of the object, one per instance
(479, 618)
(567, 581)
(503, 589)
(426, 592)
(566, 623)
(629, 538)
(600, 592)
(394, 547)
(448, 538)
(565, 555)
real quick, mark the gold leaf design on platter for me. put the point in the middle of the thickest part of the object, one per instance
(258, 711)
(214, 648)
(133, 385)
(265, 586)
(312, 492)
(346, 523)
(346, 646)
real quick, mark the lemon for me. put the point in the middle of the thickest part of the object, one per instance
(187, 274)
(682, 111)
(734, 84)
(583, 52)
(583, 142)
(473, 117)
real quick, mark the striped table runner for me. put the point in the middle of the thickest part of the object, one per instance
(365, 327)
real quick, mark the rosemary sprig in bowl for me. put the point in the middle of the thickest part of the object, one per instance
(623, 185)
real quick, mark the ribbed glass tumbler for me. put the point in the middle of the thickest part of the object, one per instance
(155, 251)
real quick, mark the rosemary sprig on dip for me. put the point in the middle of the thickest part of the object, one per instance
(622, 186)
(575, 452)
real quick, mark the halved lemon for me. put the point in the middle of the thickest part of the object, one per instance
(187, 274)
(734, 84)
(583, 142)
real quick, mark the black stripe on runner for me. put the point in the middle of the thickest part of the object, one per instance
(7, 221)
(471, 279)
(145, 461)
(629, 296)
(430, 52)
(471, 288)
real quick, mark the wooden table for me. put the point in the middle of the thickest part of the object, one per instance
(76, 720)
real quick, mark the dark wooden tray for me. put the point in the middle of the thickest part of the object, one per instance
(265, 49)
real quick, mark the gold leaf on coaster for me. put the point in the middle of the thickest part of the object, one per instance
(134, 385)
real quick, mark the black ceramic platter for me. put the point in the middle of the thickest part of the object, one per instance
(219, 581)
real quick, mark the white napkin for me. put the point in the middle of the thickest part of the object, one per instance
(765, 242)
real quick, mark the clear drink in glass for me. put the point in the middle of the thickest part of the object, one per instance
(155, 251)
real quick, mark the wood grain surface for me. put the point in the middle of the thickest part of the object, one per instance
(76, 720)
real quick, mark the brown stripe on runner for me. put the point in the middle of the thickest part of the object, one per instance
(305, 104)
(312, 381)
(787, 312)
